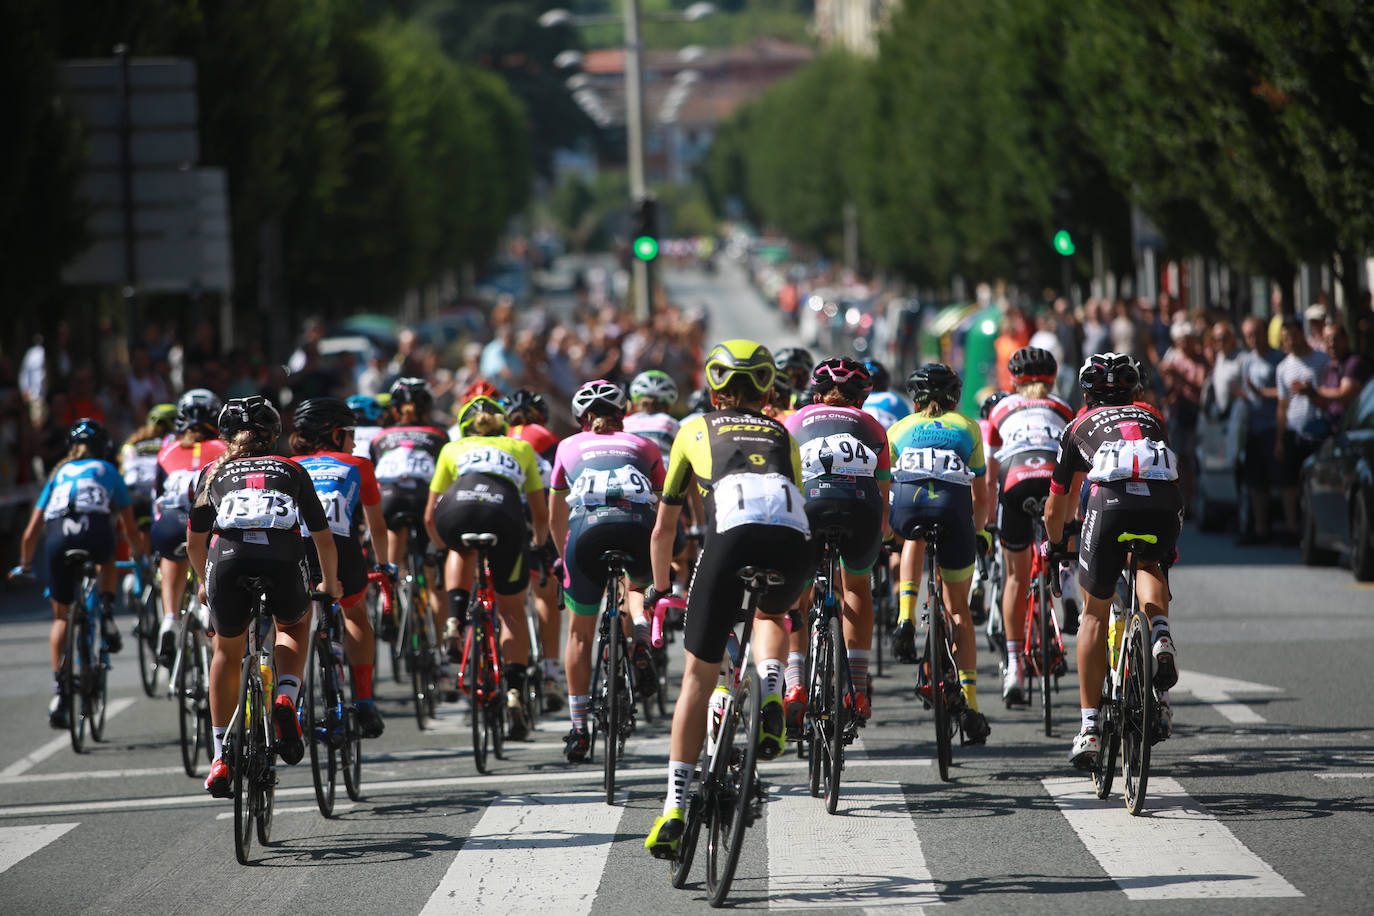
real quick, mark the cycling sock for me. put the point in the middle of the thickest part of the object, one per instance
(1159, 626)
(577, 709)
(642, 633)
(289, 687)
(219, 734)
(907, 592)
(858, 669)
(458, 603)
(169, 618)
(679, 775)
(362, 678)
(795, 662)
(1014, 656)
(968, 683)
(1089, 718)
(771, 672)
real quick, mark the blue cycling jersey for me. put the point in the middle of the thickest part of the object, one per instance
(83, 487)
(887, 407)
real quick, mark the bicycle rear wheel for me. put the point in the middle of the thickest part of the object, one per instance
(399, 648)
(145, 632)
(478, 692)
(737, 770)
(1104, 769)
(1137, 711)
(939, 674)
(188, 683)
(834, 745)
(264, 770)
(1044, 614)
(240, 756)
(421, 653)
(99, 693)
(819, 712)
(614, 710)
(681, 866)
(324, 766)
(75, 678)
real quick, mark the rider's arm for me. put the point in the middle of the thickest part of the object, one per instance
(558, 516)
(539, 518)
(329, 561)
(198, 550)
(1059, 507)
(376, 529)
(980, 502)
(429, 519)
(661, 544)
(29, 545)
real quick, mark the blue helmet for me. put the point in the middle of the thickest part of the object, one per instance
(366, 410)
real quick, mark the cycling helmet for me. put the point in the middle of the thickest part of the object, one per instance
(411, 390)
(794, 359)
(162, 415)
(843, 373)
(740, 357)
(1032, 364)
(480, 404)
(366, 410)
(384, 400)
(1144, 374)
(805, 398)
(1109, 378)
(782, 393)
(937, 382)
(91, 432)
(699, 401)
(989, 403)
(254, 413)
(598, 396)
(526, 401)
(879, 375)
(479, 388)
(317, 418)
(198, 408)
(654, 384)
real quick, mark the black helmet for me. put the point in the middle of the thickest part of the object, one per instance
(411, 390)
(317, 418)
(850, 376)
(782, 392)
(254, 413)
(524, 400)
(1032, 364)
(882, 379)
(197, 408)
(937, 382)
(1109, 378)
(989, 403)
(91, 432)
(791, 360)
(699, 401)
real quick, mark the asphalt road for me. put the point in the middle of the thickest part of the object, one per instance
(1261, 802)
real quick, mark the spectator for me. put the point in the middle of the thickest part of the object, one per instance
(1315, 317)
(120, 416)
(1015, 334)
(1224, 385)
(1340, 382)
(1158, 321)
(1127, 333)
(1183, 371)
(500, 361)
(81, 400)
(33, 372)
(372, 380)
(146, 387)
(1097, 332)
(1258, 467)
(1301, 424)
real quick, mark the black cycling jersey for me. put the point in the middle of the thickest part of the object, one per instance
(1115, 443)
(261, 500)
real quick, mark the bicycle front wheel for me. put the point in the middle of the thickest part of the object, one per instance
(421, 656)
(938, 672)
(319, 730)
(399, 648)
(735, 800)
(1104, 769)
(1137, 711)
(146, 634)
(74, 679)
(351, 754)
(188, 704)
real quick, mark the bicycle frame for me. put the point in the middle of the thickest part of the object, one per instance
(484, 624)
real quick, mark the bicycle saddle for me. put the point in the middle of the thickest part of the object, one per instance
(616, 558)
(77, 557)
(1034, 505)
(479, 539)
(927, 532)
(757, 578)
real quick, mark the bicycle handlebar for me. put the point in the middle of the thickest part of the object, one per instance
(660, 611)
(381, 577)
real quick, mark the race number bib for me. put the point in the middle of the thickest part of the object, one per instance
(256, 510)
(842, 453)
(140, 472)
(545, 471)
(931, 464)
(1133, 459)
(491, 461)
(176, 492)
(405, 462)
(759, 499)
(1028, 438)
(604, 488)
(77, 497)
(337, 512)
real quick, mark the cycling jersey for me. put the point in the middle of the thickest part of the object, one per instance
(138, 464)
(545, 444)
(264, 500)
(343, 483)
(363, 437)
(497, 456)
(887, 407)
(1026, 428)
(405, 456)
(659, 428)
(946, 447)
(1116, 444)
(86, 486)
(177, 467)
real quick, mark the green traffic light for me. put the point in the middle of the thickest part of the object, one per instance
(1063, 243)
(646, 248)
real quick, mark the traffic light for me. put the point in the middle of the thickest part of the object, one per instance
(1063, 243)
(645, 237)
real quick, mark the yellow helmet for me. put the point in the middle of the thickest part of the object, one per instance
(740, 357)
(478, 405)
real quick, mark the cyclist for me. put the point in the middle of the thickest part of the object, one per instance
(794, 364)
(781, 404)
(653, 393)
(321, 440)
(76, 508)
(138, 464)
(527, 412)
(1025, 430)
(196, 447)
(939, 475)
(846, 477)
(477, 487)
(698, 403)
(605, 486)
(883, 404)
(477, 388)
(748, 470)
(977, 596)
(255, 503)
(368, 415)
(1122, 449)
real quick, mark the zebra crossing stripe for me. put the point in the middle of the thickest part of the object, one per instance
(531, 854)
(18, 843)
(1177, 850)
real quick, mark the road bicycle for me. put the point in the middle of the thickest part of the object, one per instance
(611, 706)
(249, 748)
(143, 597)
(85, 675)
(827, 725)
(1130, 705)
(479, 673)
(189, 684)
(1042, 648)
(937, 672)
(727, 794)
(989, 589)
(328, 711)
(416, 647)
(884, 608)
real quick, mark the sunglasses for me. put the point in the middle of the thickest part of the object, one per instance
(719, 375)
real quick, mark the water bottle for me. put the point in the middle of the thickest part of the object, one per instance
(266, 672)
(719, 697)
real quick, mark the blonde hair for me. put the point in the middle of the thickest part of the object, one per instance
(407, 414)
(487, 424)
(933, 408)
(78, 452)
(145, 432)
(246, 443)
(602, 424)
(740, 393)
(835, 397)
(1033, 390)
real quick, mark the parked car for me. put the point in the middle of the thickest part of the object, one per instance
(1338, 493)
(1219, 499)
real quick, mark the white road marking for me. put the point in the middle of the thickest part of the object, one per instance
(18, 843)
(89, 774)
(294, 809)
(1177, 850)
(24, 764)
(868, 855)
(1341, 775)
(531, 854)
(1217, 692)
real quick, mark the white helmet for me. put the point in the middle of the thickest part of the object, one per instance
(598, 393)
(655, 384)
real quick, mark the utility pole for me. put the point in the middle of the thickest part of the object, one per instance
(634, 129)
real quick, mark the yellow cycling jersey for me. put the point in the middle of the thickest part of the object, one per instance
(498, 456)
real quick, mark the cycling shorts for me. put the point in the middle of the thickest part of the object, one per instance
(484, 503)
(168, 534)
(928, 502)
(592, 534)
(92, 533)
(231, 603)
(1113, 509)
(716, 592)
(1015, 527)
(352, 567)
(401, 504)
(862, 522)
(141, 502)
